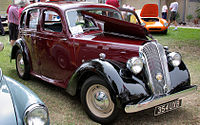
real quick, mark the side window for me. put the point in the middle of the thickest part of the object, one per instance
(33, 16)
(22, 20)
(52, 21)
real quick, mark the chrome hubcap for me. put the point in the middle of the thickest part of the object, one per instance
(99, 101)
(20, 64)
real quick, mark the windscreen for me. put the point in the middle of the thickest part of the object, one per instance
(79, 23)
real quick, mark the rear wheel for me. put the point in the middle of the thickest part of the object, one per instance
(21, 67)
(96, 99)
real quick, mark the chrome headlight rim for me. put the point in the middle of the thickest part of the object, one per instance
(175, 58)
(33, 108)
(143, 24)
(165, 24)
(135, 65)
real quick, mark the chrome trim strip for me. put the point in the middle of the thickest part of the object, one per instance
(164, 64)
(32, 108)
(158, 101)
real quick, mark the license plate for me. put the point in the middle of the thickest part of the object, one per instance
(166, 107)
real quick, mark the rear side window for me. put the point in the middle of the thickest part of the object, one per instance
(52, 21)
(33, 17)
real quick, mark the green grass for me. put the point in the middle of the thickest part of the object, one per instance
(180, 37)
(66, 110)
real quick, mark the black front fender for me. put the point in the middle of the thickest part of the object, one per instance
(180, 77)
(119, 89)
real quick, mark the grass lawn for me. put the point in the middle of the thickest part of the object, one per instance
(65, 109)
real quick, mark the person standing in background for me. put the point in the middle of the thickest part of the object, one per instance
(22, 5)
(13, 16)
(1, 28)
(8, 11)
(114, 3)
(8, 8)
(173, 9)
(164, 12)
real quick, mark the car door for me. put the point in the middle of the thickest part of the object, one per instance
(54, 47)
(28, 27)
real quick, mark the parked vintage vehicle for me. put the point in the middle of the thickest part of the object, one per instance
(150, 20)
(4, 23)
(90, 51)
(19, 105)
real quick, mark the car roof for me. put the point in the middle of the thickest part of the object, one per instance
(65, 5)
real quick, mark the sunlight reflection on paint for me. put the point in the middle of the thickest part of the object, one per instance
(7, 112)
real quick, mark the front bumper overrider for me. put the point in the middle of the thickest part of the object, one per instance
(154, 102)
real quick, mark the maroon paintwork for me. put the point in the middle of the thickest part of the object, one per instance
(56, 56)
(71, 46)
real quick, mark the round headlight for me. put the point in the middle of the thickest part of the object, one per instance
(174, 58)
(165, 24)
(135, 64)
(143, 24)
(36, 115)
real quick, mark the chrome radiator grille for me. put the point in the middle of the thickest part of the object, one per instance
(156, 68)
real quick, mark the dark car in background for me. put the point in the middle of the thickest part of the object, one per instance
(19, 105)
(89, 50)
(4, 22)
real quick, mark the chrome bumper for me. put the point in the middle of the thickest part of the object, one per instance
(155, 102)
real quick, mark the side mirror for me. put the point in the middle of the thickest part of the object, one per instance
(1, 46)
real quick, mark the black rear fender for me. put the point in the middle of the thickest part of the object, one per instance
(19, 44)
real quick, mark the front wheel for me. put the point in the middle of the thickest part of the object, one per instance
(96, 99)
(21, 67)
(165, 31)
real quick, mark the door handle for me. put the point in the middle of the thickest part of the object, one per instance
(34, 41)
(123, 52)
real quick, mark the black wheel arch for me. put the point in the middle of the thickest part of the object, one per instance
(108, 72)
(180, 77)
(19, 44)
(85, 71)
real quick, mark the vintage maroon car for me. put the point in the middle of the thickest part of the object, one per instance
(90, 51)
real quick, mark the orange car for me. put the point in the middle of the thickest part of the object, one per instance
(150, 20)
